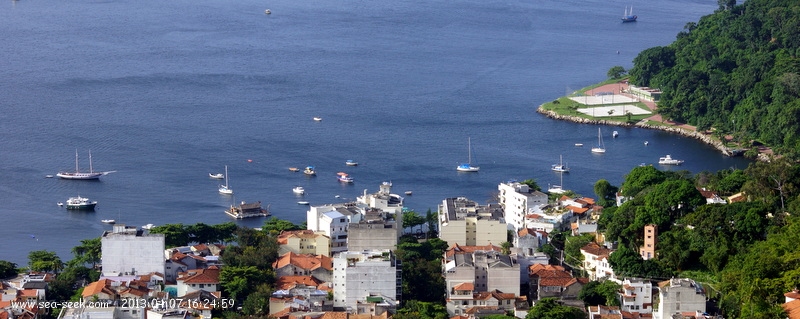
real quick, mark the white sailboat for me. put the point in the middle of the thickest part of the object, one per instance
(467, 167)
(224, 189)
(77, 174)
(560, 167)
(600, 148)
(557, 189)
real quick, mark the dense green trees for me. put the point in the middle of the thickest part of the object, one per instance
(7, 269)
(180, 235)
(600, 293)
(736, 70)
(549, 308)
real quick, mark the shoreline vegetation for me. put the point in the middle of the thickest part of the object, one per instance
(642, 113)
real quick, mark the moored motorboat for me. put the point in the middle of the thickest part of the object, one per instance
(578, 144)
(668, 160)
(302, 202)
(351, 163)
(309, 171)
(299, 190)
(317, 119)
(267, 11)
(615, 134)
(48, 176)
(80, 203)
(344, 177)
(108, 221)
(409, 193)
(294, 169)
(216, 176)
(646, 142)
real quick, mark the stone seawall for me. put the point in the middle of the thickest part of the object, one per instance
(643, 124)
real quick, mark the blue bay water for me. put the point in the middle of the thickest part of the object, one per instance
(165, 92)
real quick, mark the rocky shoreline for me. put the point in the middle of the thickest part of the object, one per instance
(705, 138)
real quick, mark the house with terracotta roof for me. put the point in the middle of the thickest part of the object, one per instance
(738, 197)
(518, 201)
(680, 296)
(29, 311)
(581, 207)
(484, 303)
(465, 222)
(304, 242)
(291, 264)
(553, 281)
(476, 269)
(526, 250)
(100, 290)
(595, 261)
(358, 275)
(198, 279)
(201, 302)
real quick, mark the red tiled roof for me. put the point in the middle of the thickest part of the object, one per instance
(792, 309)
(466, 286)
(794, 294)
(209, 275)
(577, 210)
(100, 286)
(289, 282)
(304, 261)
(597, 250)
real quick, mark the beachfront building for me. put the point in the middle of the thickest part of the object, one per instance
(465, 222)
(359, 275)
(304, 242)
(127, 250)
(517, 201)
(384, 200)
(679, 296)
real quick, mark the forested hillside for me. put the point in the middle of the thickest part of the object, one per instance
(737, 71)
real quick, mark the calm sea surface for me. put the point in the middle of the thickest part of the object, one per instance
(165, 92)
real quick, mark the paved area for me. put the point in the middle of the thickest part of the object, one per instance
(618, 110)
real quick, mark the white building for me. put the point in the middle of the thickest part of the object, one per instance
(636, 295)
(465, 222)
(128, 250)
(518, 200)
(549, 220)
(679, 295)
(358, 275)
(595, 261)
(384, 200)
(330, 221)
(473, 270)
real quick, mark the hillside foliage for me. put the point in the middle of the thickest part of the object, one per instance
(736, 71)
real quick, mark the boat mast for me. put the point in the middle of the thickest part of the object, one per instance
(469, 151)
(76, 160)
(91, 170)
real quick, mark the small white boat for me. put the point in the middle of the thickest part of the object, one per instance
(60, 204)
(668, 160)
(578, 144)
(302, 202)
(309, 171)
(555, 189)
(267, 11)
(48, 176)
(645, 143)
(317, 119)
(344, 177)
(615, 134)
(408, 193)
(351, 163)
(337, 196)
(216, 176)
(148, 226)
(108, 221)
(299, 190)
(294, 169)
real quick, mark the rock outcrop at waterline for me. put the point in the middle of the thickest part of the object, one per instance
(705, 138)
